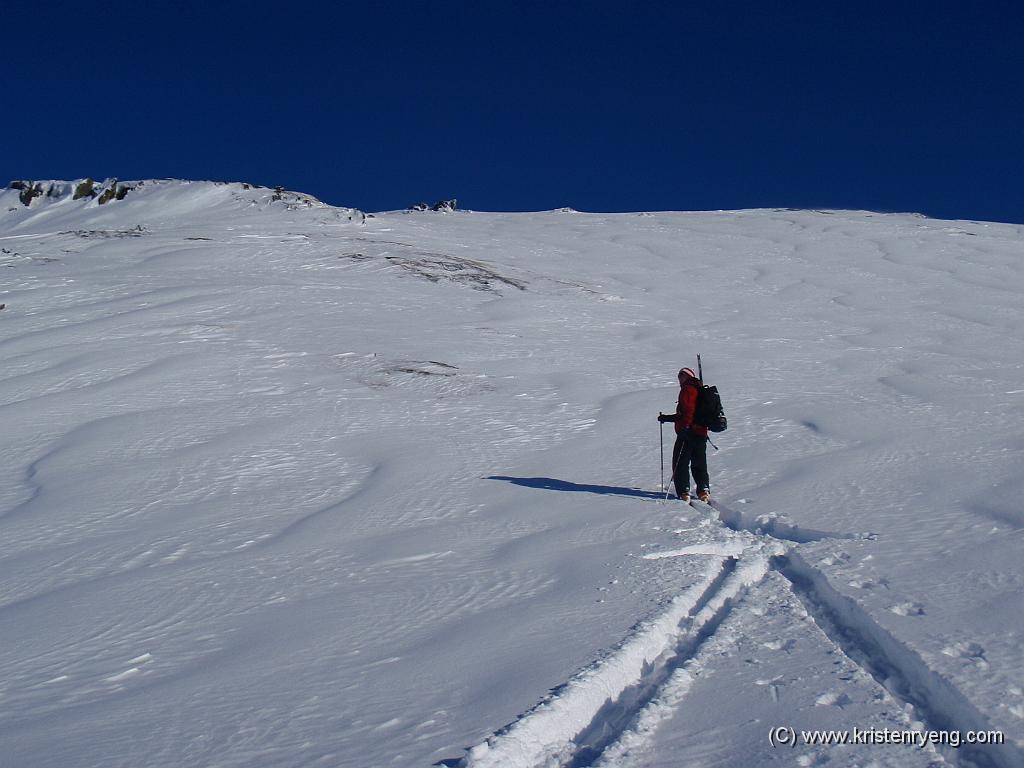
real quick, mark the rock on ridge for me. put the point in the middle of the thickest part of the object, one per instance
(177, 193)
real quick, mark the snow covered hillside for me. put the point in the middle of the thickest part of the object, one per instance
(284, 485)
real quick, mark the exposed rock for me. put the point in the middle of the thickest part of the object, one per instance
(56, 190)
(108, 194)
(443, 206)
(437, 266)
(115, 192)
(86, 189)
(29, 191)
(137, 231)
(422, 368)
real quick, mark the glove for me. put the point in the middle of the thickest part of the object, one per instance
(664, 418)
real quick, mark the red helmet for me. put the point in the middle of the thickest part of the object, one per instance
(688, 373)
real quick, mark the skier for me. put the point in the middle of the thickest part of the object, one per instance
(690, 452)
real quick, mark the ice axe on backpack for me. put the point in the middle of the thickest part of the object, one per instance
(700, 377)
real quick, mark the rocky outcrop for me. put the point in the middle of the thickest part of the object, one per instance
(85, 188)
(114, 191)
(30, 190)
(57, 190)
(442, 206)
(165, 196)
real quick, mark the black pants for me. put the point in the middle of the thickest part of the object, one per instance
(690, 453)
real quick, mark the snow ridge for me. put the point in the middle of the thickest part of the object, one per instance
(158, 199)
(770, 525)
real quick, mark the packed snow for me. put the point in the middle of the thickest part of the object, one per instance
(289, 485)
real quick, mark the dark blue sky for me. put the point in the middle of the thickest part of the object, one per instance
(530, 105)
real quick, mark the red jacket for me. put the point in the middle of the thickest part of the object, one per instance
(686, 406)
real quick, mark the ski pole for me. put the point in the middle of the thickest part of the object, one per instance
(661, 432)
(675, 466)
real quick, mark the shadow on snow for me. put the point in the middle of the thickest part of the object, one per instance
(551, 484)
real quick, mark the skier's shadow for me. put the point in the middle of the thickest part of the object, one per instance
(551, 484)
(737, 521)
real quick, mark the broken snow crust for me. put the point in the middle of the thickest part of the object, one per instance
(285, 485)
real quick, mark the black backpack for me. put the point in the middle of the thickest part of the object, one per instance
(708, 412)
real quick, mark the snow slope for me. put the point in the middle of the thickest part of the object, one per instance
(288, 486)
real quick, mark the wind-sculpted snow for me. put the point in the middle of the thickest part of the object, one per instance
(285, 485)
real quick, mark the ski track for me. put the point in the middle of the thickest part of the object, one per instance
(902, 672)
(547, 732)
(604, 716)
